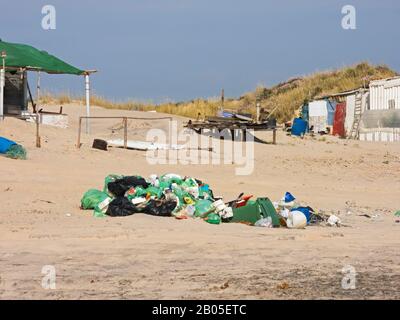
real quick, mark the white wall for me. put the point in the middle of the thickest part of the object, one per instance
(381, 91)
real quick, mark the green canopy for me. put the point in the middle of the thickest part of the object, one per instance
(30, 58)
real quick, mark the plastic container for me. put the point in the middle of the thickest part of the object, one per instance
(305, 211)
(213, 218)
(5, 144)
(250, 213)
(202, 207)
(219, 205)
(296, 220)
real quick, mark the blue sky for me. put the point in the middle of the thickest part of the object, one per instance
(157, 50)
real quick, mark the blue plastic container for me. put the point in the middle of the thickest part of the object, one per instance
(299, 127)
(5, 144)
(305, 211)
(289, 197)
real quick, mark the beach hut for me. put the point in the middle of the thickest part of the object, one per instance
(349, 108)
(321, 115)
(381, 121)
(15, 60)
(15, 93)
(357, 102)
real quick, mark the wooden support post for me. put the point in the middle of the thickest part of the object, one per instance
(38, 144)
(78, 143)
(274, 136)
(125, 132)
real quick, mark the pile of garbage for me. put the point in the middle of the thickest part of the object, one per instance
(187, 197)
(11, 149)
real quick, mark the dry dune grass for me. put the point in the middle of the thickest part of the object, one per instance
(284, 99)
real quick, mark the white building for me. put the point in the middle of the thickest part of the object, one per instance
(381, 120)
(385, 94)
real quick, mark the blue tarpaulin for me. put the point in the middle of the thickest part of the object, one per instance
(331, 106)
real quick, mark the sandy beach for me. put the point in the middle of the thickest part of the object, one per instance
(147, 257)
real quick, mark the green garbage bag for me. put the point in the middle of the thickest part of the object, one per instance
(16, 151)
(183, 196)
(101, 208)
(154, 191)
(164, 185)
(189, 182)
(202, 207)
(97, 213)
(108, 179)
(92, 198)
(170, 180)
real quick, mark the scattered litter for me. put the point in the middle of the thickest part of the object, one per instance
(283, 286)
(264, 222)
(225, 285)
(397, 214)
(47, 201)
(68, 215)
(334, 221)
(365, 215)
(99, 144)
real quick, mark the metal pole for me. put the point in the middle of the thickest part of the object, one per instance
(87, 89)
(38, 87)
(78, 144)
(2, 83)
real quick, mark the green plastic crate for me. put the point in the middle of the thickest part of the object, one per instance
(254, 210)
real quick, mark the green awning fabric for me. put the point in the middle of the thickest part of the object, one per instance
(25, 56)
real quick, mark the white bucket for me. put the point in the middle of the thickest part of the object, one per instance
(296, 220)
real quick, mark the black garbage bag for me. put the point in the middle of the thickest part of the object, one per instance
(162, 208)
(120, 186)
(121, 207)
